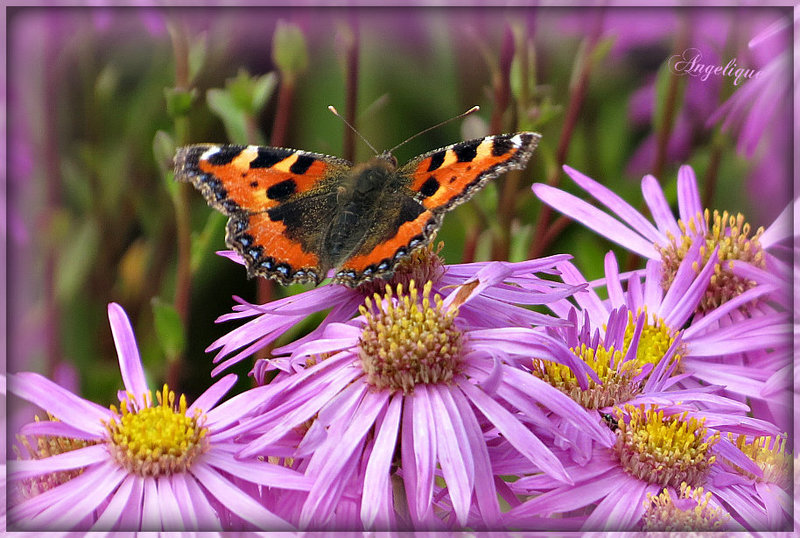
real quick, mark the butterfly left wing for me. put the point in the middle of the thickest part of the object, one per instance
(433, 184)
(278, 201)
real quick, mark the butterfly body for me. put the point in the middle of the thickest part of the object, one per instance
(295, 215)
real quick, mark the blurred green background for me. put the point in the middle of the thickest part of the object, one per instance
(100, 97)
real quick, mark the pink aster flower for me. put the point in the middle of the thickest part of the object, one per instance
(411, 393)
(144, 466)
(652, 450)
(668, 239)
(500, 305)
(709, 351)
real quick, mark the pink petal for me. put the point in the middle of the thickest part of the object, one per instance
(74, 459)
(206, 516)
(419, 465)
(57, 429)
(61, 403)
(377, 490)
(484, 485)
(168, 505)
(86, 496)
(455, 458)
(118, 508)
(257, 472)
(238, 502)
(689, 205)
(151, 516)
(595, 219)
(206, 401)
(512, 429)
(618, 205)
(130, 363)
(337, 458)
(659, 208)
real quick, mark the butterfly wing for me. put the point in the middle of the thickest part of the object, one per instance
(446, 177)
(433, 184)
(278, 200)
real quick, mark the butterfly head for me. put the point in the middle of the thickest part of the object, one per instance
(385, 159)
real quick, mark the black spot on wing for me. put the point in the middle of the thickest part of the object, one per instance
(410, 209)
(429, 188)
(281, 191)
(436, 160)
(225, 155)
(302, 164)
(467, 151)
(268, 157)
(501, 146)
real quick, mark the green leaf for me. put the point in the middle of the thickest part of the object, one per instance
(202, 242)
(262, 90)
(520, 242)
(179, 102)
(289, 50)
(601, 50)
(169, 329)
(77, 256)
(235, 120)
(163, 152)
(665, 79)
(198, 51)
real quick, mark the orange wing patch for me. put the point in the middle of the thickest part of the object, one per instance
(450, 176)
(382, 259)
(252, 178)
(269, 252)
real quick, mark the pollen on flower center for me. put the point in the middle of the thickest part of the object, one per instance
(654, 341)
(617, 377)
(408, 341)
(732, 235)
(664, 450)
(689, 512)
(770, 455)
(157, 440)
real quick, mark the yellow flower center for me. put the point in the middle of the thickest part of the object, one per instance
(654, 341)
(407, 341)
(664, 450)
(770, 455)
(732, 235)
(689, 512)
(617, 377)
(157, 440)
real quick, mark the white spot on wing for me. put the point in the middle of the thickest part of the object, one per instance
(209, 152)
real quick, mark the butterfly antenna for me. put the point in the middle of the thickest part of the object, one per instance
(336, 113)
(467, 113)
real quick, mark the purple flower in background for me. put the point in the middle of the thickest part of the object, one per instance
(144, 466)
(504, 303)
(412, 391)
(669, 239)
(759, 116)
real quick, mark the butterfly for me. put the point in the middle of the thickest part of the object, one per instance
(296, 215)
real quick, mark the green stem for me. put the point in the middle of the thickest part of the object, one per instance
(183, 277)
(351, 92)
(541, 238)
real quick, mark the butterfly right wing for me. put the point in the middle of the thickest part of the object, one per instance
(279, 202)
